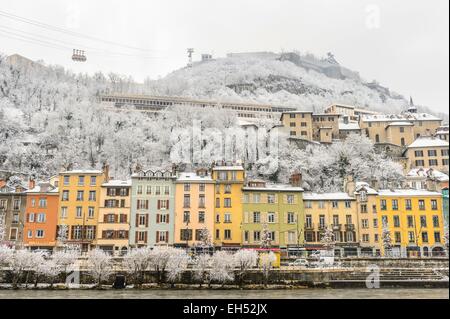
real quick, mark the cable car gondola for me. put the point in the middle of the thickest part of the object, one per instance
(78, 56)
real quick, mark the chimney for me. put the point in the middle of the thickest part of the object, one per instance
(105, 169)
(296, 179)
(349, 185)
(174, 169)
(31, 183)
(374, 184)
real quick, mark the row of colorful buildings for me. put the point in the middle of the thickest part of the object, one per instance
(218, 206)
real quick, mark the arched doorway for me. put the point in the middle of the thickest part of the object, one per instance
(426, 252)
(438, 252)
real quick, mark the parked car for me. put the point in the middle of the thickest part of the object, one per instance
(301, 262)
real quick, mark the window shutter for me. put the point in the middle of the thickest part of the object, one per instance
(246, 217)
(168, 218)
(146, 220)
(116, 218)
(71, 232)
(105, 218)
(158, 218)
(167, 204)
(28, 217)
(137, 220)
(145, 237)
(104, 234)
(159, 204)
(127, 234)
(146, 204)
(157, 236)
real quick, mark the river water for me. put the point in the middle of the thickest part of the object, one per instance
(230, 294)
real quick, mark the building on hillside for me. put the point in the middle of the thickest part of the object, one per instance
(442, 133)
(427, 179)
(79, 202)
(352, 112)
(347, 127)
(273, 216)
(428, 152)
(325, 127)
(336, 211)
(41, 217)
(12, 211)
(152, 207)
(194, 209)
(114, 217)
(229, 181)
(298, 124)
(415, 221)
(401, 129)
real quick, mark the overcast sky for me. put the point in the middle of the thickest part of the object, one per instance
(401, 43)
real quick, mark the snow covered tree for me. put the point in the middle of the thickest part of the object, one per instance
(266, 261)
(47, 269)
(19, 262)
(159, 260)
(99, 265)
(2, 228)
(202, 264)
(245, 260)
(222, 267)
(136, 262)
(177, 265)
(327, 240)
(386, 239)
(66, 259)
(266, 239)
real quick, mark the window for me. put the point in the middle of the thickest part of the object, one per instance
(350, 236)
(335, 204)
(348, 219)
(246, 236)
(63, 212)
(41, 218)
(271, 218)
(256, 236)
(92, 196)
(437, 237)
(227, 235)
(377, 137)
(186, 217)
(142, 204)
(322, 221)
(142, 220)
(93, 180)
(291, 218)
(40, 233)
(31, 218)
(376, 238)
(408, 204)
(65, 196)
(418, 153)
(394, 204)
(420, 163)
(335, 220)
(321, 204)
(436, 221)
(139, 190)
(186, 234)
(434, 205)
(80, 196)
(201, 217)
(365, 238)
(271, 199)
(201, 187)
(445, 162)
(162, 236)
(292, 124)
(227, 218)
(411, 237)
(365, 223)
(410, 221)
(201, 201)
(375, 223)
(308, 221)
(398, 237)
(79, 212)
(432, 153)
(421, 204)
(187, 201)
(425, 237)
(227, 189)
(42, 202)
(187, 187)
(148, 190)
(402, 141)
(141, 236)
(157, 190)
(66, 180)
(402, 130)
(363, 208)
(217, 202)
(80, 180)
(256, 217)
(227, 202)
(217, 234)
(30, 234)
(444, 152)
(91, 212)
(383, 204)
(396, 221)
(433, 162)
(290, 199)
(423, 221)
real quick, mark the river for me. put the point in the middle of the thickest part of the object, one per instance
(228, 294)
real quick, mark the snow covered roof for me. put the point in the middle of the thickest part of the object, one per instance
(116, 183)
(428, 173)
(228, 168)
(362, 185)
(43, 187)
(193, 177)
(399, 117)
(426, 141)
(83, 171)
(327, 196)
(406, 192)
(350, 126)
(274, 188)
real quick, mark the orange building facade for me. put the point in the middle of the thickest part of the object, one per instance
(41, 216)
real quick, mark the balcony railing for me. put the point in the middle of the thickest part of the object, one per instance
(350, 227)
(336, 226)
(309, 226)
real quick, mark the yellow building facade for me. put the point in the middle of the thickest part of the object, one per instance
(415, 221)
(79, 192)
(114, 217)
(229, 181)
(194, 209)
(298, 125)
